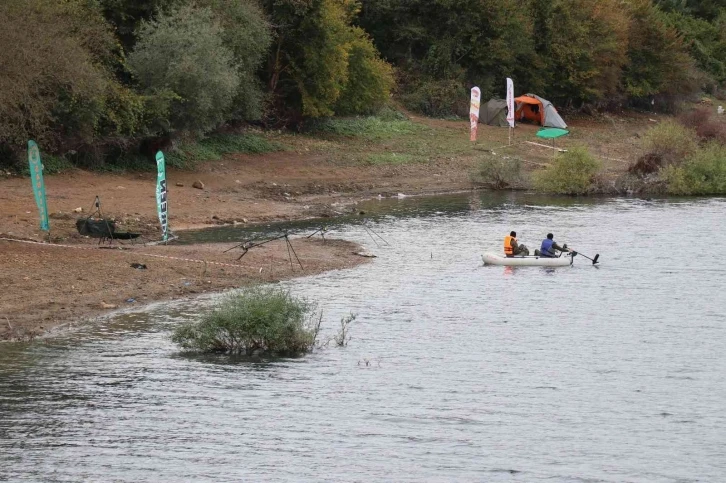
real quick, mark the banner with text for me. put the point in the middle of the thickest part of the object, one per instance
(474, 112)
(36, 176)
(161, 195)
(510, 102)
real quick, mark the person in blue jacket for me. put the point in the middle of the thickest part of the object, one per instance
(549, 247)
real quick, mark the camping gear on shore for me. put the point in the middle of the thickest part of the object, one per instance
(500, 260)
(494, 113)
(538, 110)
(551, 133)
(100, 227)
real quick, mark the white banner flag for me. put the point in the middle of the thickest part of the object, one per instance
(474, 112)
(510, 102)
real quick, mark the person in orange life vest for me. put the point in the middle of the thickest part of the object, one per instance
(512, 248)
(549, 246)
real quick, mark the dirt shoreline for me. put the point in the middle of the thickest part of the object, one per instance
(49, 286)
(43, 286)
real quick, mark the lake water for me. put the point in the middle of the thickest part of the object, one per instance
(614, 373)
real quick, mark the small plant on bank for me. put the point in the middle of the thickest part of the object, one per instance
(572, 173)
(703, 173)
(499, 173)
(671, 142)
(706, 124)
(261, 320)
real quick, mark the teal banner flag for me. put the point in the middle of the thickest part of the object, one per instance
(36, 175)
(161, 195)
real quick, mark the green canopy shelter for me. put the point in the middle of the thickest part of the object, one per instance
(552, 133)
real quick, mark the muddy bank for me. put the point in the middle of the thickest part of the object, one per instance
(45, 287)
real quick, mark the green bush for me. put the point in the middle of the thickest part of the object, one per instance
(703, 173)
(55, 74)
(248, 34)
(183, 53)
(262, 320)
(572, 173)
(52, 164)
(670, 141)
(499, 173)
(437, 98)
(370, 79)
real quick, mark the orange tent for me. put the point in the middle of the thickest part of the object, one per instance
(536, 109)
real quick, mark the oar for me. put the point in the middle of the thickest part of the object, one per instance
(594, 260)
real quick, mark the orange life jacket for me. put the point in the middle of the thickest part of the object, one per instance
(508, 245)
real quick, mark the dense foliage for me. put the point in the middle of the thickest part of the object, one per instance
(92, 79)
(255, 322)
(572, 173)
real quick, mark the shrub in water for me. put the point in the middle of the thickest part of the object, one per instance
(258, 321)
(671, 142)
(499, 173)
(703, 173)
(572, 173)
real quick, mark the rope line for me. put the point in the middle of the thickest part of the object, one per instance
(59, 245)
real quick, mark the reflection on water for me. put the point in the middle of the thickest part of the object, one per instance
(476, 373)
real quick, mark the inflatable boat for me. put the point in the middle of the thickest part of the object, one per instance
(493, 259)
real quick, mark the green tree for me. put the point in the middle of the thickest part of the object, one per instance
(586, 51)
(181, 58)
(56, 85)
(706, 41)
(439, 44)
(247, 33)
(658, 61)
(127, 15)
(319, 58)
(370, 78)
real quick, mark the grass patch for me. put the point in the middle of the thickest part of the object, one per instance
(136, 163)
(52, 164)
(572, 173)
(259, 321)
(379, 159)
(212, 148)
(371, 127)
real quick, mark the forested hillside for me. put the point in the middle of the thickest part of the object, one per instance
(98, 79)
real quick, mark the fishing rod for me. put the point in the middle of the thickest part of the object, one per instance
(248, 245)
(371, 232)
(322, 230)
